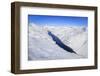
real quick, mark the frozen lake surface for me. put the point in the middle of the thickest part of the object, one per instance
(61, 42)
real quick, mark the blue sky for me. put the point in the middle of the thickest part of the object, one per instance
(42, 20)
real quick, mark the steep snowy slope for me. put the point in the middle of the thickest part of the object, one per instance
(42, 47)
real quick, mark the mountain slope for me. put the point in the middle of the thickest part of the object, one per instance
(42, 47)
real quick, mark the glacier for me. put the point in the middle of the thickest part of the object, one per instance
(42, 47)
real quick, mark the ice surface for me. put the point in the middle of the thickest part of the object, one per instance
(42, 47)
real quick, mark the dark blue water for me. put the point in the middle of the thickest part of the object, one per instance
(60, 43)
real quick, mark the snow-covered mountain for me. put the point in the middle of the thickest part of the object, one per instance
(42, 46)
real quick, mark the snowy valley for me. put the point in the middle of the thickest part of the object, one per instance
(42, 47)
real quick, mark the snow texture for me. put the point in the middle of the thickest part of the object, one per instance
(42, 47)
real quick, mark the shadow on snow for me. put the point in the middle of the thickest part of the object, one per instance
(60, 43)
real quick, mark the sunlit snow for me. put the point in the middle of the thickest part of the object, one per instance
(42, 47)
